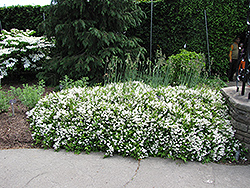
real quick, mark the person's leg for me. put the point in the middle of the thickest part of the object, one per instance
(230, 72)
(236, 65)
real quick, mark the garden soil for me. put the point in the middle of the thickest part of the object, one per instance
(14, 129)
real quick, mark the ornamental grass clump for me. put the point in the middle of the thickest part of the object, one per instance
(134, 119)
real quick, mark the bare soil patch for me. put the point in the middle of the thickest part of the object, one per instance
(14, 130)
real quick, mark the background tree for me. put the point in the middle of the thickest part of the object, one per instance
(88, 33)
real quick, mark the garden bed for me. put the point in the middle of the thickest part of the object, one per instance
(15, 131)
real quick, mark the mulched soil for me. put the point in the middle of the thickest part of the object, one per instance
(15, 132)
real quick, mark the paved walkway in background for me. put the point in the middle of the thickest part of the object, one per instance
(236, 96)
(35, 168)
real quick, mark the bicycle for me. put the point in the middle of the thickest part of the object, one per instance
(243, 74)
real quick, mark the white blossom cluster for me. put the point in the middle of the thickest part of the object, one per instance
(18, 46)
(134, 119)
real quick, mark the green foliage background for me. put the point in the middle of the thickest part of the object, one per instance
(178, 22)
(174, 24)
(21, 17)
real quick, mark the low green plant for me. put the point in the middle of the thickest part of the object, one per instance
(15, 92)
(28, 95)
(211, 82)
(68, 83)
(5, 98)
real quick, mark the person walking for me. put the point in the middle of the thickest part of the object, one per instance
(233, 58)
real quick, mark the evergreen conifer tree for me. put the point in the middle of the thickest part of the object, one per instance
(88, 33)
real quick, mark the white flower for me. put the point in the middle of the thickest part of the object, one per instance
(14, 42)
(128, 118)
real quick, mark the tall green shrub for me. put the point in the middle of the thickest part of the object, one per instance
(21, 17)
(185, 68)
(87, 33)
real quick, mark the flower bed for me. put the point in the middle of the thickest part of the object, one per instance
(134, 119)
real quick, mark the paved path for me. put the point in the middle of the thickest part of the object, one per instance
(35, 168)
(236, 96)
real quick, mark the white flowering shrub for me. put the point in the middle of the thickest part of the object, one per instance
(134, 119)
(20, 50)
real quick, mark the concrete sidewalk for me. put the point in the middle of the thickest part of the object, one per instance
(45, 168)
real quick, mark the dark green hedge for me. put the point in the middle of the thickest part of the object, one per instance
(178, 22)
(21, 17)
(174, 24)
